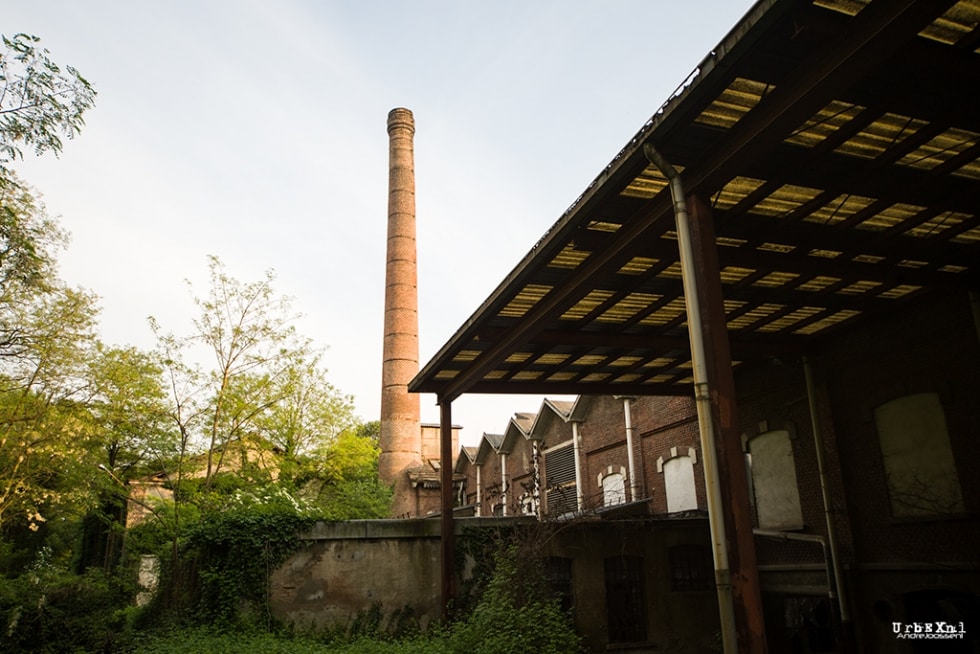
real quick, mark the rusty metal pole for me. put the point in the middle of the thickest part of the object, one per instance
(746, 590)
(446, 515)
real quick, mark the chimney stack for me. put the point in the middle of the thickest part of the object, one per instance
(401, 436)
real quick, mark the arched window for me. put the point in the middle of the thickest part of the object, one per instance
(777, 496)
(678, 473)
(613, 484)
(919, 467)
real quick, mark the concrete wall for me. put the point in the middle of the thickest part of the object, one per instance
(347, 568)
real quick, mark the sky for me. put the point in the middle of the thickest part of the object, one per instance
(255, 131)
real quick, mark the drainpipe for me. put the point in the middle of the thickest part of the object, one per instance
(577, 452)
(811, 395)
(479, 492)
(503, 481)
(716, 519)
(629, 448)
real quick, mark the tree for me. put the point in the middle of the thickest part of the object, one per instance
(39, 102)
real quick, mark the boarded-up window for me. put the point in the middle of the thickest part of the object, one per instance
(777, 496)
(613, 489)
(919, 466)
(679, 482)
(625, 608)
(559, 470)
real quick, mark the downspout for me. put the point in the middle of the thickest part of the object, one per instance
(503, 481)
(629, 448)
(479, 491)
(716, 519)
(811, 394)
(577, 452)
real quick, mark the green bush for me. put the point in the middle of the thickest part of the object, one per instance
(51, 610)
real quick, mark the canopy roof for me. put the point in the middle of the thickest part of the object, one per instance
(837, 145)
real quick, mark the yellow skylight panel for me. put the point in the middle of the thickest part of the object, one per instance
(784, 200)
(569, 258)
(838, 209)
(587, 304)
(735, 191)
(824, 123)
(880, 136)
(734, 102)
(527, 298)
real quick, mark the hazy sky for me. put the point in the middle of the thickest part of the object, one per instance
(256, 131)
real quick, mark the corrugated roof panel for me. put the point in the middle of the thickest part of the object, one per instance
(826, 121)
(754, 314)
(729, 242)
(638, 266)
(868, 258)
(734, 102)
(890, 216)
(647, 184)
(818, 283)
(959, 20)
(627, 378)
(523, 301)
(561, 376)
(899, 291)
(495, 374)
(446, 373)
(595, 377)
(589, 360)
(849, 7)
(938, 224)
(628, 307)
(603, 226)
(840, 208)
(775, 279)
(625, 361)
(881, 135)
(967, 238)
(776, 247)
(667, 313)
(552, 358)
(466, 355)
(569, 258)
(735, 191)
(784, 200)
(527, 375)
(587, 304)
(734, 274)
(912, 263)
(860, 287)
(518, 357)
(940, 149)
(790, 319)
(824, 254)
(659, 362)
(829, 321)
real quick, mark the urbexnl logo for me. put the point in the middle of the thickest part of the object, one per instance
(928, 630)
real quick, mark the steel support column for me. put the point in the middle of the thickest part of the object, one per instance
(746, 591)
(446, 513)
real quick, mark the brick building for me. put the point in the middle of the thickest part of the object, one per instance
(792, 240)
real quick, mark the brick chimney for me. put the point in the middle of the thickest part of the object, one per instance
(401, 434)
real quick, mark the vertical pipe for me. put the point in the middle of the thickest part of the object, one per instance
(503, 481)
(716, 521)
(630, 457)
(577, 452)
(479, 491)
(811, 395)
(446, 514)
(400, 438)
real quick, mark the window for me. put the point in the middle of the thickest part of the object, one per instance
(559, 574)
(678, 472)
(777, 496)
(691, 567)
(613, 488)
(625, 608)
(919, 467)
(561, 492)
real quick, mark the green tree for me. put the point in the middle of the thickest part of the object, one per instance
(39, 102)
